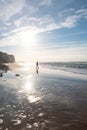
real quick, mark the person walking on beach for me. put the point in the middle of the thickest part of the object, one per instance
(37, 67)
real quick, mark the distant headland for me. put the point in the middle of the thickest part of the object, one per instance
(6, 58)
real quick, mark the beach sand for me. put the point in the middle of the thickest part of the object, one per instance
(47, 100)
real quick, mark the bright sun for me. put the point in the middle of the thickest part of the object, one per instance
(28, 38)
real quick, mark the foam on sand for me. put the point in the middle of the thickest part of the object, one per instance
(1, 121)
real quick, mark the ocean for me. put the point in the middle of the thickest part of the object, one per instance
(75, 67)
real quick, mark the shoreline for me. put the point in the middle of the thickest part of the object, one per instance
(44, 70)
(13, 66)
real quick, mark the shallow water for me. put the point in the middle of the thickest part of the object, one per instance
(42, 101)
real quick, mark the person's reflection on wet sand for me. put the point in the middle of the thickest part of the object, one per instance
(37, 71)
(1, 74)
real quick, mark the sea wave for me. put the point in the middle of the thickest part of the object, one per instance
(75, 67)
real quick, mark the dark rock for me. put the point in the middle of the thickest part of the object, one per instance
(17, 75)
(5, 58)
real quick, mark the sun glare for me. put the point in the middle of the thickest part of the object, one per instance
(28, 86)
(28, 38)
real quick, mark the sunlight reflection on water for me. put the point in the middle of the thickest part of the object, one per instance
(29, 90)
(33, 99)
(28, 86)
(27, 66)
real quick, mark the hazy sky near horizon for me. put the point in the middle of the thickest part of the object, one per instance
(44, 30)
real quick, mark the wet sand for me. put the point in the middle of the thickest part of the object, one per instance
(47, 100)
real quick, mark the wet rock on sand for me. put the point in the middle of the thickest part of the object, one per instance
(17, 75)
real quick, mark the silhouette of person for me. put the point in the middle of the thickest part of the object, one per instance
(37, 64)
(37, 67)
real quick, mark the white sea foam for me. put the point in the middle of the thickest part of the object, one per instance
(17, 122)
(6, 129)
(29, 126)
(2, 115)
(1, 121)
(36, 124)
(22, 116)
(41, 114)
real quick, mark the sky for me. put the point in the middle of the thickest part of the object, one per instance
(44, 30)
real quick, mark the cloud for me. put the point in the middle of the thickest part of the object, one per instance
(19, 22)
(47, 22)
(73, 53)
(45, 2)
(70, 21)
(9, 8)
(15, 37)
(82, 13)
(30, 15)
(31, 18)
(72, 17)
